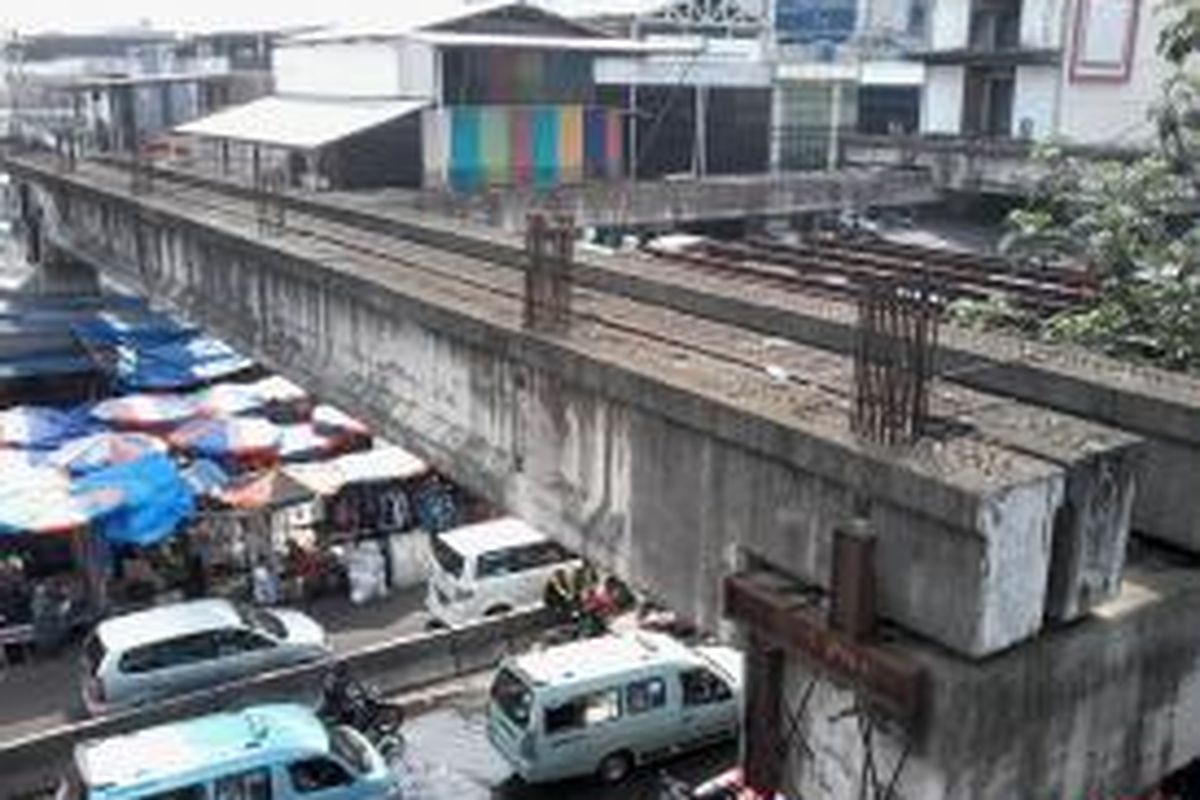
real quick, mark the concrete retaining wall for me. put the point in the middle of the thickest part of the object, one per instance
(35, 761)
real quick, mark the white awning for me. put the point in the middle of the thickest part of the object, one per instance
(299, 123)
(578, 44)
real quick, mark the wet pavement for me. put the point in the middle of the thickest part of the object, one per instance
(448, 757)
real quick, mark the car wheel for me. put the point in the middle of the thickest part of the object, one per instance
(496, 611)
(615, 767)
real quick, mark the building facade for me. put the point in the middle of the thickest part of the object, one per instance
(1081, 71)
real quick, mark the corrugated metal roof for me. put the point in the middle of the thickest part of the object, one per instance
(578, 44)
(299, 123)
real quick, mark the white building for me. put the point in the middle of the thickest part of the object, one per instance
(1083, 71)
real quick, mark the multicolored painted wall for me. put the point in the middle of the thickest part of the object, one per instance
(469, 147)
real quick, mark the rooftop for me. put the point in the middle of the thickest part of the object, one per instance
(596, 658)
(109, 766)
(482, 537)
(141, 627)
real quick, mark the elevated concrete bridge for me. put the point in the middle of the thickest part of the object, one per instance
(680, 431)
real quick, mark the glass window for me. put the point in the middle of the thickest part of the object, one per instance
(184, 793)
(236, 642)
(512, 696)
(499, 562)
(252, 785)
(449, 559)
(585, 710)
(260, 619)
(701, 687)
(318, 774)
(645, 695)
(171, 653)
(543, 554)
(350, 748)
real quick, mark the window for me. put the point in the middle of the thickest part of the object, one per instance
(449, 559)
(543, 554)
(171, 653)
(350, 748)
(252, 785)
(183, 793)
(318, 774)
(499, 562)
(236, 642)
(645, 695)
(260, 619)
(583, 711)
(701, 687)
(512, 696)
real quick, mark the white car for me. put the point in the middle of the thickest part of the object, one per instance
(165, 651)
(491, 568)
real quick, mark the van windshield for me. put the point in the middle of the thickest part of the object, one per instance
(262, 620)
(350, 748)
(512, 696)
(449, 559)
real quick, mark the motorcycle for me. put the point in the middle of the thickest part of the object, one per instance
(347, 701)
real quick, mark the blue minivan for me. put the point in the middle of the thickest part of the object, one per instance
(265, 752)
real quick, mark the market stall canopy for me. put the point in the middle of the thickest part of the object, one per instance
(205, 477)
(301, 123)
(177, 364)
(110, 328)
(228, 400)
(99, 450)
(303, 442)
(42, 500)
(387, 463)
(42, 427)
(332, 421)
(149, 500)
(272, 489)
(145, 411)
(231, 437)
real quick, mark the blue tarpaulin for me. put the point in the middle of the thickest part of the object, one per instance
(154, 500)
(177, 364)
(44, 428)
(142, 330)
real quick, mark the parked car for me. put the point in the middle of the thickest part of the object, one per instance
(267, 752)
(491, 568)
(603, 706)
(148, 655)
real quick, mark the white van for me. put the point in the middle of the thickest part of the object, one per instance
(491, 568)
(603, 706)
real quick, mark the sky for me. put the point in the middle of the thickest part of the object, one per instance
(90, 15)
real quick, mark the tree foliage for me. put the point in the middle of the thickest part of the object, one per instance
(1133, 223)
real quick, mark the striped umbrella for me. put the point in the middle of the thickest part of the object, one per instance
(42, 428)
(228, 399)
(237, 438)
(41, 501)
(302, 442)
(332, 421)
(146, 412)
(89, 453)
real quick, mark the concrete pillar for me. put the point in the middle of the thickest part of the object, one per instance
(776, 133)
(700, 148)
(835, 118)
(762, 740)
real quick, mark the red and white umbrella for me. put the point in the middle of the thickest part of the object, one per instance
(145, 411)
(232, 437)
(100, 450)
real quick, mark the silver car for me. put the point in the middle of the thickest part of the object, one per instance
(169, 650)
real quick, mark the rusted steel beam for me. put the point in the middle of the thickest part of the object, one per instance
(852, 607)
(771, 607)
